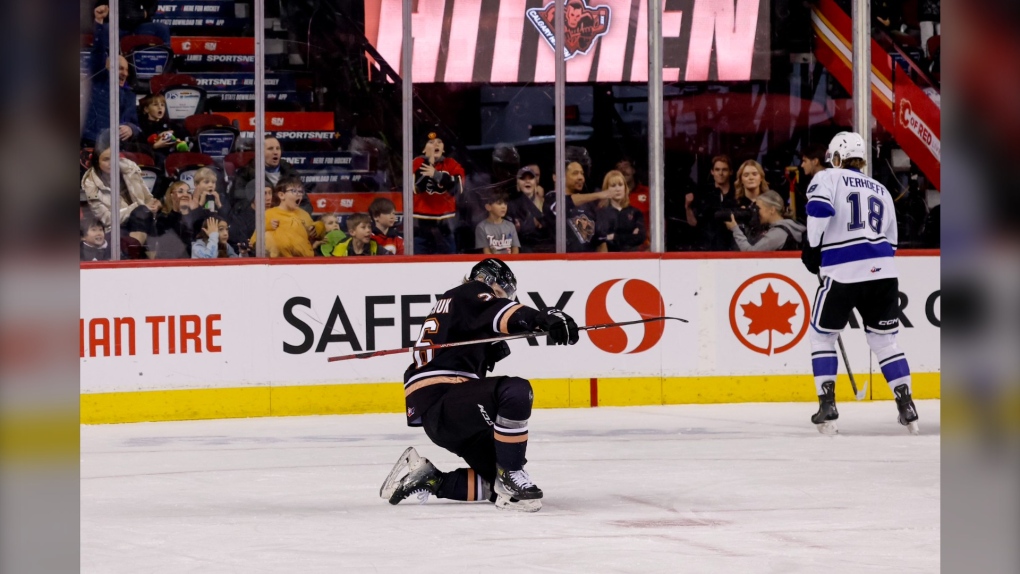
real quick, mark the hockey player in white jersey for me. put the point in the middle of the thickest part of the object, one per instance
(850, 243)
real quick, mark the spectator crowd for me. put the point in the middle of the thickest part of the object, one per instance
(510, 207)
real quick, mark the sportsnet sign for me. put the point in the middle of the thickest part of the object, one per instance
(288, 125)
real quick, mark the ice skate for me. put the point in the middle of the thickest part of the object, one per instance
(422, 478)
(908, 412)
(515, 491)
(825, 418)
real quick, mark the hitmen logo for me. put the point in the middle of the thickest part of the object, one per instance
(582, 26)
(630, 299)
(773, 314)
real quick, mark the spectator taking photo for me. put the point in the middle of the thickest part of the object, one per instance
(780, 234)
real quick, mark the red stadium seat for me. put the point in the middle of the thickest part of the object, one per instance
(161, 82)
(214, 133)
(183, 95)
(235, 160)
(142, 159)
(148, 55)
(198, 122)
(180, 161)
(131, 43)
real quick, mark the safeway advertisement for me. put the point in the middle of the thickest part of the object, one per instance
(258, 324)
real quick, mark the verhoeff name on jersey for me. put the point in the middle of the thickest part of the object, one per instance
(854, 218)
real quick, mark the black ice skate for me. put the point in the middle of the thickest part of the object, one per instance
(422, 478)
(515, 491)
(908, 412)
(827, 414)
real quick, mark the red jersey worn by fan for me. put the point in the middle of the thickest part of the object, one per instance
(436, 197)
(390, 242)
(640, 199)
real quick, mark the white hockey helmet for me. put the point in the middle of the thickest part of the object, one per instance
(846, 145)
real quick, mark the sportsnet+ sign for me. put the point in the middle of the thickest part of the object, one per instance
(211, 13)
(288, 125)
(240, 86)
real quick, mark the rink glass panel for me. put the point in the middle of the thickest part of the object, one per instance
(742, 79)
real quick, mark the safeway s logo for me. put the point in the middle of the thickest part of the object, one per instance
(628, 299)
(769, 313)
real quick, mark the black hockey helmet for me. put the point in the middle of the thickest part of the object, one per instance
(493, 270)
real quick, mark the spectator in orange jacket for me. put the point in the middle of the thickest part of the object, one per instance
(289, 229)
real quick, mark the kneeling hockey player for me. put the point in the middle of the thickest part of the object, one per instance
(483, 420)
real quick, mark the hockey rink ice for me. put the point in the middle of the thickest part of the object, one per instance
(689, 488)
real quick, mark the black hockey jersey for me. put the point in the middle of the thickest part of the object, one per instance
(466, 312)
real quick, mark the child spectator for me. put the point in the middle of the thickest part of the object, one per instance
(327, 224)
(211, 240)
(206, 194)
(620, 224)
(438, 183)
(156, 129)
(94, 246)
(330, 242)
(494, 234)
(384, 219)
(360, 242)
(133, 193)
(289, 229)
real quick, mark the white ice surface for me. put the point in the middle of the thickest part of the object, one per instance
(694, 488)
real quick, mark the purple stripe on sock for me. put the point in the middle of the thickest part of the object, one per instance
(896, 370)
(824, 366)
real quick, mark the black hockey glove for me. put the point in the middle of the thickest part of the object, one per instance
(561, 328)
(811, 256)
(495, 353)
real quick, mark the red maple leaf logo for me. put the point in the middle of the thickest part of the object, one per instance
(770, 315)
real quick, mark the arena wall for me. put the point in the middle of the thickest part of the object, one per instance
(251, 338)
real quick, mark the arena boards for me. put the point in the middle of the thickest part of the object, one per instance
(197, 341)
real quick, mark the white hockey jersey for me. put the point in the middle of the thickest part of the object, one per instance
(854, 219)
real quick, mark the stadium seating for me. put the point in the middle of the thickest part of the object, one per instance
(214, 133)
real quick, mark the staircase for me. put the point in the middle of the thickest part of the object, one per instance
(898, 104)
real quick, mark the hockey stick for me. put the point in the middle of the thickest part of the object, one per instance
(369, 354)
(846, 362)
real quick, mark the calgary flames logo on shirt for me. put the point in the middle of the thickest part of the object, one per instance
(582, 27)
